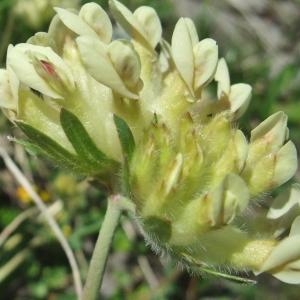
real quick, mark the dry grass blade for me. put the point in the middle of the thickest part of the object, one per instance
(9, 229)
(22, 180)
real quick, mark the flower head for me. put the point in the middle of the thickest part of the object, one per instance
(143, 107)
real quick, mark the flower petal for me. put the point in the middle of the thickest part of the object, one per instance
(41, 39)
(205, 62)
(128, 21)
(94, 15)
(286, 164)
(126, 62)
(242, 147)
(295, 228)
(74, 22)
(192, 31)
(239, 98)
(182, 51)
(150, 23)
(95, 57)
(281, 205)
(290, 274)
(228, 199)
(6, 97)
(273, 129)
(286, 251)
(222, 78)
(236, 197)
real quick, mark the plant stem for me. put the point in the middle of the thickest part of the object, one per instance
(101, 250)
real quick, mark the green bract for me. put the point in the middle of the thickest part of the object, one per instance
(141, 108)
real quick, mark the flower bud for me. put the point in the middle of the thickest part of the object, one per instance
(270, 162)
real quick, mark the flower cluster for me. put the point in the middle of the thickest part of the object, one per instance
(145, 108)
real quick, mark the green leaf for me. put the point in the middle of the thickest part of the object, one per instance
(203, 268)
(31, 148)
(81, 141)
(125, 136)
(128, 145)
(49, 147)
(233, 278)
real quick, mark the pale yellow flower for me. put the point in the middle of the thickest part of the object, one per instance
(142, 108)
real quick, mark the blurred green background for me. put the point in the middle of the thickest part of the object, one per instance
(260, 40)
